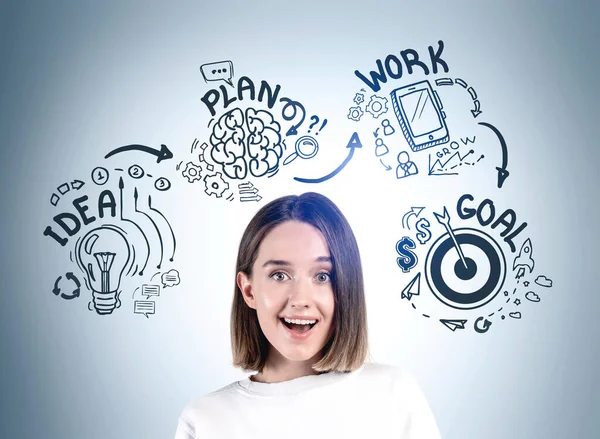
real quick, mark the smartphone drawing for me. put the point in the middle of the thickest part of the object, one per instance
(419, 112)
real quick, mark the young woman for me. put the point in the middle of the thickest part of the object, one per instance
(299, 320)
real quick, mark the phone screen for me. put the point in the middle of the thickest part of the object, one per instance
(420, 112)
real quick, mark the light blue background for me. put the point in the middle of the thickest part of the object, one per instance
(77, 80)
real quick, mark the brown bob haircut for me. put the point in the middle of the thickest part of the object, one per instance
(348, 347)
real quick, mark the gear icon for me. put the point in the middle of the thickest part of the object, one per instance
(377, 106)
(192, 172)
(215, 185)
(355, 113)
(359, 98)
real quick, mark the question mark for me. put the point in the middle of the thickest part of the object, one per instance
(314, 123)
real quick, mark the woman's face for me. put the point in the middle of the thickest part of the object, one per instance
(291, 278)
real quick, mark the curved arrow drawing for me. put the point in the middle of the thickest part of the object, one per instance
(352, 144)
(502, 171)
(164, 153)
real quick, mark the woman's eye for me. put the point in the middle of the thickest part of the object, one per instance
(278, 276)
(323, 277)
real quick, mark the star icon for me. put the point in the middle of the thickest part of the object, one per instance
(526, 283)
(517, 302)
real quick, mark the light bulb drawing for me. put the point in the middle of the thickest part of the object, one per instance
(103, 254)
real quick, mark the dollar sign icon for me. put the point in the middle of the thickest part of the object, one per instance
(408, 259)
(423, 233)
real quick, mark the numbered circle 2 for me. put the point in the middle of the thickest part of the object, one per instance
(136, 171)
(470, 281)
(100, 175)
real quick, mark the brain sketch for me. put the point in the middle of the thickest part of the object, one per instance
(245, 142)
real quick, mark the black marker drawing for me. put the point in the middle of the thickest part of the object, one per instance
(482, 329)
(381, 148)
(136, 171)
(316, 121)
(168, 224)
(215, 185)
(502, 171)
(419, 112)
(160, 240)
(246, 142)
(543, 281)
(408, 259)
(406, 167)
(100, 175)
(144, 307)
(377, 106)
(388, 129)
(149, 290)
(414, 211)
(306, 147)
(532, 296)
(218, 71)
(293, 130)
(192, 172)
(103, 255)
(355, 113)
(76, 292)
(486, 215)
(517, 302)
(423, 233)
(387, 167)
(393, 66)
(447, 161)
(448, 81)
(121, 186)
(352, 145)
(515, 315)
(170, 278)
(413, 288)
(162, 184)
(475, 277)
(453, 325)
(164, 153)
(63, 189)
(248, 192)
(524, 263)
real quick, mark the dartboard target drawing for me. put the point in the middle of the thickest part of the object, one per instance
(465, 269)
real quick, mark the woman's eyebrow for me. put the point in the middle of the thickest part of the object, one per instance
(276, 262)
(281, 263)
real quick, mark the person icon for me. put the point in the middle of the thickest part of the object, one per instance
(388, 129)
(405, 166)
(380, 148)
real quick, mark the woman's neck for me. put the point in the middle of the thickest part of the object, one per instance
(278, 369)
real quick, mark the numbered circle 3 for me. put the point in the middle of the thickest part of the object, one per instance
(469, 282)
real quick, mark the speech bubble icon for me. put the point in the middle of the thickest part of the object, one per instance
(170, 278)
(144, 307)
(218, 71)
(150, 290)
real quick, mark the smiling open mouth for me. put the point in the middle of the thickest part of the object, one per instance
(298, 326)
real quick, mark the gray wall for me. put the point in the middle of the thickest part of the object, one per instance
(79, 80)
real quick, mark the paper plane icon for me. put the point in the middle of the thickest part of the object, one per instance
(412, 290)
(453, 325)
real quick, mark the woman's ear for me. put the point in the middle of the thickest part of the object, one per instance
(245, 286)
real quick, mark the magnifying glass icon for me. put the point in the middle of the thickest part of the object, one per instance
(306, 147)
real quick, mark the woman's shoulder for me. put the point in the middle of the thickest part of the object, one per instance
(210, 401)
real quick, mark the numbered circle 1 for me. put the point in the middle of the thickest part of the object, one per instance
(469, 282)
(136, 171)
(162, 184)
(100, 175)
